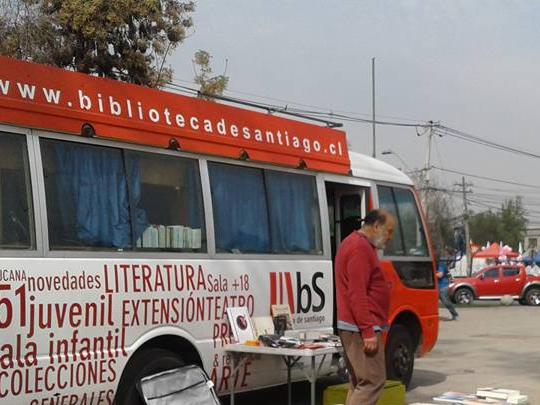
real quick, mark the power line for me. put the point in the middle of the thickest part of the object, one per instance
(322, 116)
(310, 114)
(267, 107)
(499, 204)
(444, 130)
(528, 214)
(534, 215)
(348, 116)
(321, 109)
(495, 197)
(486, 178)
(481, 204)
(502, 195)
(508, 190)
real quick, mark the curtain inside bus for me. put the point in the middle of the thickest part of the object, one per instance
(93, 195)
(195, 215)
(240, 211)
(294, 212)
(264, 211)
(170, 194)
(16, 211)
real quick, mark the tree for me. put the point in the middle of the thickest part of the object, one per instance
(513, 222)
(484, 227)
(209, 85)
(440, 213)
(122, 39)
(507, 225)
(441, 221)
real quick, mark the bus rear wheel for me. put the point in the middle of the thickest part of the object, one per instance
(144, 363)
(399, 355)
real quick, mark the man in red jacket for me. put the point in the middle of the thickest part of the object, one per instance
(363, 297)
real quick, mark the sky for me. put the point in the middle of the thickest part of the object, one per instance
(472, 65)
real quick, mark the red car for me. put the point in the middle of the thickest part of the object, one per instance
(494, 282)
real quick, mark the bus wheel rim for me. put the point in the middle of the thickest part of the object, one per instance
(402, 358)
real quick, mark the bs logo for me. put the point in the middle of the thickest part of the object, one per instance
(302, 298)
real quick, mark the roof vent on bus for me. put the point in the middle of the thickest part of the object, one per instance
(88, 130)
(243, 155)
(173, 144)
(302, 164)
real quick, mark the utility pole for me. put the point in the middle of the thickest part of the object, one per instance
(374, 154)
(426, 175)
(464, 191)
(427, 167)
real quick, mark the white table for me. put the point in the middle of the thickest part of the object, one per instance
(240, 353)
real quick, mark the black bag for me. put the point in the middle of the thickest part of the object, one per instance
(186, 385)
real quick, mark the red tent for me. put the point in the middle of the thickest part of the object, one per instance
(493, 251)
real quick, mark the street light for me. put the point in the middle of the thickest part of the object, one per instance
(391, 152)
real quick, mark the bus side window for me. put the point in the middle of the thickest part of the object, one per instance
(414, 236)
(240, 210)
(387, 201)
(105, 198)
(294, 213)
(16, 210)
(87, 196)
(264, 211)
(166, 190)
(409, 237)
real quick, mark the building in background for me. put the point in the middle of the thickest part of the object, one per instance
(531, 242)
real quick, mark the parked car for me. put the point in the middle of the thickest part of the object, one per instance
(494, 282)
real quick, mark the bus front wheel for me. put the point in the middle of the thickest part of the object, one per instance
(144, 363)
(399, 355)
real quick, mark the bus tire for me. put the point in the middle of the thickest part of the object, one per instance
(399, 355)
(146, 362)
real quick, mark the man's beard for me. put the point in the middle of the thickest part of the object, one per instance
(379, 242)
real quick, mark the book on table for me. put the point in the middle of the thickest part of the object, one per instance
(508, 395)
(241, 324)
(282, 318)
(483, 401)
(453, 397)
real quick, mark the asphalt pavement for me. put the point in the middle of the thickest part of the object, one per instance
(491, 345)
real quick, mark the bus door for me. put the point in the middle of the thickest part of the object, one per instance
(347, 205)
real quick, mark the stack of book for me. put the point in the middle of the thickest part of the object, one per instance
(170, 237)
(465, 399)
(513, 397)
(483, 396)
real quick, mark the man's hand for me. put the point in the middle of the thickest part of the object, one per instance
(371, 345)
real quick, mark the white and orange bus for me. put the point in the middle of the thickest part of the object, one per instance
(131, 219)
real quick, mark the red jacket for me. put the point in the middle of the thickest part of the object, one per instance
(362, 293)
